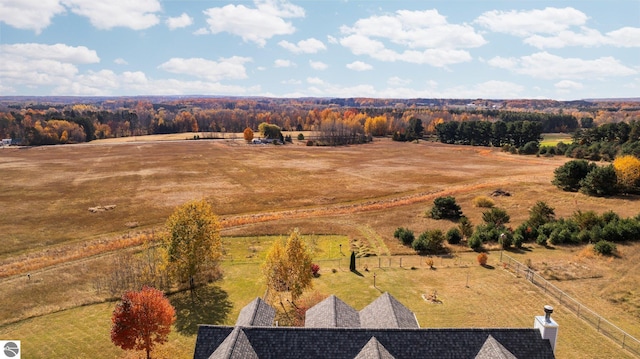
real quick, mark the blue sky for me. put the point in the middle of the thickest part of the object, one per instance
(561, 50)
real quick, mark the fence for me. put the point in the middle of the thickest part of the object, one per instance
(602, 325)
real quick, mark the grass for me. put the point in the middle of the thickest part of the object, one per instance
(472, 296)
(358, 195)
(552, 139)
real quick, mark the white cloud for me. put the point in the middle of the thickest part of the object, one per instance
(359, 66)
(33, 15)
(202, 31)
(625, 37)
(183, 20)
(318, 65)
(543, 65)
(525, 23)
(397, 81)
(315, 80)
(120, 61)
(567, 85)
(586, 38)
(282, 63)
(254, 24)
(136, 15)
(309, 46)
(42, 65)
(426, 36)
(226, 68)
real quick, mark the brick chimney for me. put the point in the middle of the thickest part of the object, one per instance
(547, 326)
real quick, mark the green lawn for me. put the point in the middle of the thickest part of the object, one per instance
(552, 139)
(472, 296)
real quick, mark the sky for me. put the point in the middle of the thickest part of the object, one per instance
(509, 49)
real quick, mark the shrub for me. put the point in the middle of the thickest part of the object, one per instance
(540, 214)
(542, 239)
(568, 176)
(405, 235)
(315, 269)
(429, 262)
(496, 216)
(454, 236)
(483, 202)
(309, 143)
(518, 240)
(445, 208)
(429, 242)
(482, 259)
(300, 137)
(466, 228)
(530, 148)
(475, 242)
(605, 248)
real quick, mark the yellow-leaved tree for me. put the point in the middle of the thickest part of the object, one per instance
(628, 171)
(288, 268)
(192, 243)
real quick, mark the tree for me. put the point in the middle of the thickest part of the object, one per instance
(141, 320)
(192, 241)
(540, 214)
(405, 235)
(602, 181)
(627, 169)
(568, 176)
(466, 228)
(414, 129)
(248, 134)
(430, 241)
(496, 217)
(270, 131)
(445, 208)
(288, 268)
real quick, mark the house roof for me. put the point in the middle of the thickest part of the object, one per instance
(374, 350)
(256, 314)
(385, 329)
(332, 313)
(387, 312)
(297, 342)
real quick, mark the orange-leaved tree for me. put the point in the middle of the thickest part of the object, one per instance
(248, 134)
(141, 320)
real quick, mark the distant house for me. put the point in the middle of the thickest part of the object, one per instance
(384, 329)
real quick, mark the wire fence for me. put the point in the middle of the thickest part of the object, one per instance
(603, 326)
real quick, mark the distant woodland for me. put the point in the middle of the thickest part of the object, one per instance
(58, 120)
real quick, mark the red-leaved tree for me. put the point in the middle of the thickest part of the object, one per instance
(142, 320)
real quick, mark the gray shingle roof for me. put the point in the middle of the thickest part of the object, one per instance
(256, 314)
(235, 346)
(374, 350)
(336, 343)
(332, 313)
(387, 312)
(492, 349)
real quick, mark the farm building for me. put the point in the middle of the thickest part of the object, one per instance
(383, 329)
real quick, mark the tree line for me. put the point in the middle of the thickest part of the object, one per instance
(484, 133)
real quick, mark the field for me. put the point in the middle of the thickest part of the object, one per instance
(356, 195)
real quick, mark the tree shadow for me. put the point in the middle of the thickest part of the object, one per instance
(203, 305)
(488, 266)
(355, 271)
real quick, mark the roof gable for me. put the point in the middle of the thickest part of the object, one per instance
(492, 349)
(374, 350)
(236, 345)
(387, 312)
(332, 313)
(256, 314)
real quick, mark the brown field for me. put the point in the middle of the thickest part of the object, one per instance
(363, 192)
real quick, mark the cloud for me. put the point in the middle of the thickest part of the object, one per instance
(309, 46)
(41, 65)
(120, 61)
(318, 65)
(282, 63)
(556, 28)
(33, 15)
(229, 68)
(397, 81)
(136, 15)
(183, 20)
(567, 85)
(257, 24)
(525, 23)
(202, 31)
(544, 65)
(426, 36)
(359, 66)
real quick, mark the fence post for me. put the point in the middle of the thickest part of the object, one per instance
(400, 262)
(623, 338)
(598, 324)
(379, 259)
(579, 311)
